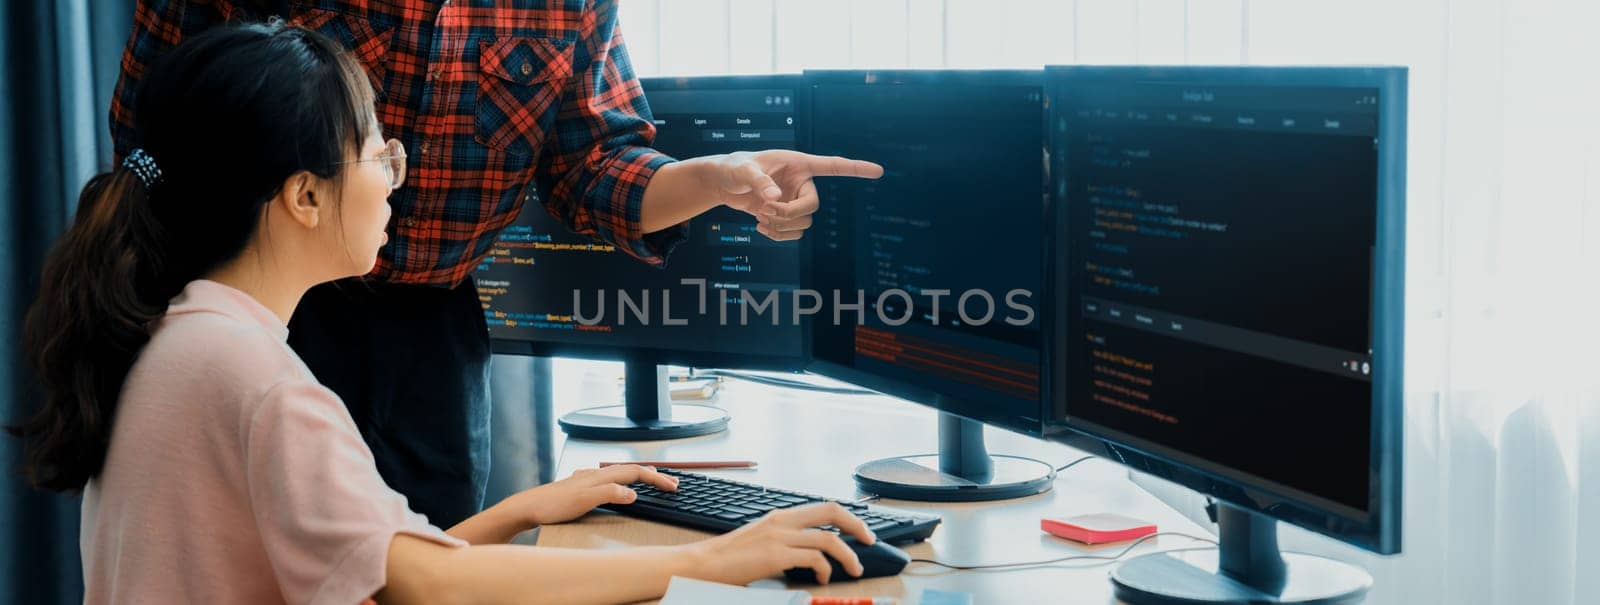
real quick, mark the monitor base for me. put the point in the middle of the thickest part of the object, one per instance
(962, 471)
(1245, 567)
(611, 423)
(1192, 578)
(919, 478)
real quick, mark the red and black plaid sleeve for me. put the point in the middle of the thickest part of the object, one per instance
(599, 164)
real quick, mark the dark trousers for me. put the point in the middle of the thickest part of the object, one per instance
(412, 365)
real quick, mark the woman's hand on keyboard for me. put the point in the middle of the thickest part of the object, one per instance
(575, 496)
(783, 539)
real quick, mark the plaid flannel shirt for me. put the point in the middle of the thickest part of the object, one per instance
(495, 101)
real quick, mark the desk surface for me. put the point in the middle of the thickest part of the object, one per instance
(811, 443)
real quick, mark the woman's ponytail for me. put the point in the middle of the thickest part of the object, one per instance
(98, 295)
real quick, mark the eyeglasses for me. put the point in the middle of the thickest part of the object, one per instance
(394, 163)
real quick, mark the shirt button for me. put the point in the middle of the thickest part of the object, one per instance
(527, 68)
(433, 74)
(422, 149)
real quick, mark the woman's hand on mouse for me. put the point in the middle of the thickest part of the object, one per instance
(783, 539)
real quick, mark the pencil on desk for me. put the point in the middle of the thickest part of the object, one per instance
(692, 464)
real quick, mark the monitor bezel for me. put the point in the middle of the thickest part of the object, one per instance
(1377, 528)
(972, 410)
(681, 357)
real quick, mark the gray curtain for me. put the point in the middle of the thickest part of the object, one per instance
(522, 438)
(58, 65)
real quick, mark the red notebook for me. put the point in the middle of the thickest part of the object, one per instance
(1098, 528)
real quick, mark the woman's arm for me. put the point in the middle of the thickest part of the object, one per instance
(497, 525)
(557, 502)
(420, 571)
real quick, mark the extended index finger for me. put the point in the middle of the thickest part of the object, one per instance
(838, 166)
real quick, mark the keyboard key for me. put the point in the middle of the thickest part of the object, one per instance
(741, 510)
(881, 525)
(656, 501)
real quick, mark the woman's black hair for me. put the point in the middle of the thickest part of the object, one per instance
(227, 116)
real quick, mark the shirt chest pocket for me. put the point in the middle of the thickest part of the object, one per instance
(520, 83)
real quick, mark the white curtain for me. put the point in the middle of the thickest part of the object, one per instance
(1503, 288)
(1503, 405)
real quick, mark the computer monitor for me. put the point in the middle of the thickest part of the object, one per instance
(550, 292)
(1229, 275)
(943, 256)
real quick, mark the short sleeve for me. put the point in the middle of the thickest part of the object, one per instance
(325, 516)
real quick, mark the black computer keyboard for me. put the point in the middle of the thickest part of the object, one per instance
(720, 505)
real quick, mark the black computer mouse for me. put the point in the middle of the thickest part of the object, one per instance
(879, 559)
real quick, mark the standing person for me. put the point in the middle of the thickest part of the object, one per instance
(499, 105)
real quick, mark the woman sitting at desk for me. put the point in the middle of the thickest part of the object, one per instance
(214, 467)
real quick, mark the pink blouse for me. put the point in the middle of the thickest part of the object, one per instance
(233, 476)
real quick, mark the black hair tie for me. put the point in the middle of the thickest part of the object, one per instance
(144, 167)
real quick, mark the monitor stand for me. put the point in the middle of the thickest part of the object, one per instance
(647, 413)
(962, 471)
(1250, 570)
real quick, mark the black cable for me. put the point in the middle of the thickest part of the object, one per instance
(1105, 558)
(781, 382)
